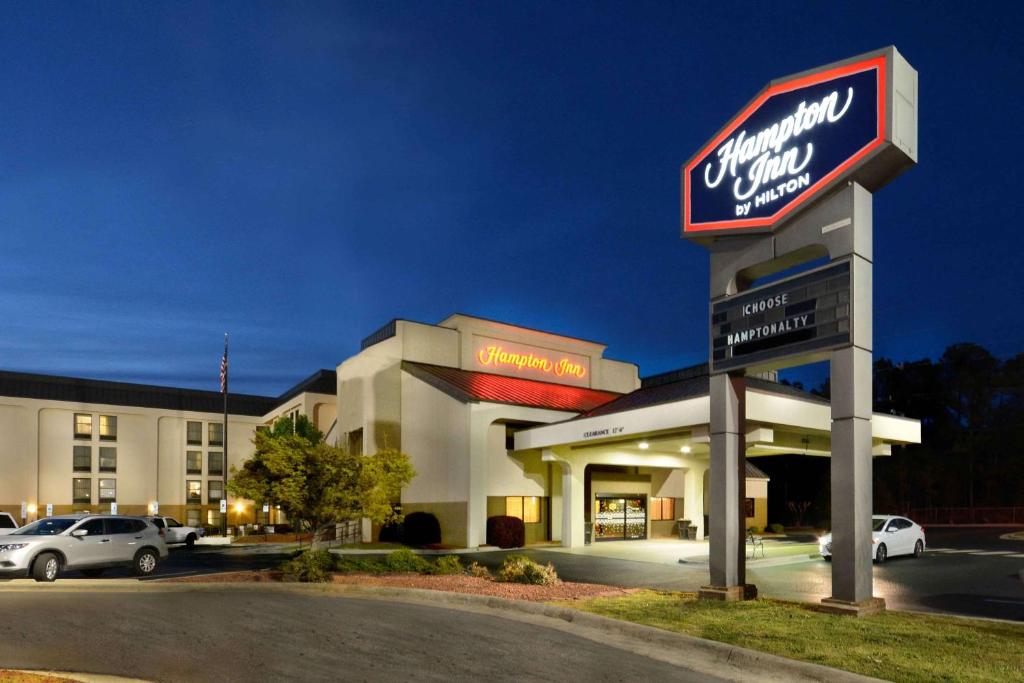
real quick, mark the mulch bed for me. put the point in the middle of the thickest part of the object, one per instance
(458, 583)
(8, 676)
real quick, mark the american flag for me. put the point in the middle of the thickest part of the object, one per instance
(224, 368)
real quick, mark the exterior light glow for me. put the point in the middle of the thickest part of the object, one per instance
(32, 509)
(239, 507)
(644, 445)
(685, 449)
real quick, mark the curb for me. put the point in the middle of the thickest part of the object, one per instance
(704, 656)
(80, 677)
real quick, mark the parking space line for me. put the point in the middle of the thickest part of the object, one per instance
(995, 552)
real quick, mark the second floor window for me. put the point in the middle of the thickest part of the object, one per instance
(194, 434)
(82, 491)
(216, 463)
(194, 462)
(83, 426)
(194, 491)
(83, 458)
(216, 434)
(108, 459)
(108, 428)
(215, 490)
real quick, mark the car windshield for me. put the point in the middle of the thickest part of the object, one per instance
(877, 523)
(51, 526)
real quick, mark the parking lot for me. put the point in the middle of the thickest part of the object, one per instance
(965, 571)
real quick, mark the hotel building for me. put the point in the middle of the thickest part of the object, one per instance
(496, 419)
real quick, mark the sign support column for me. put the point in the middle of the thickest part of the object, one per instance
(727, 558)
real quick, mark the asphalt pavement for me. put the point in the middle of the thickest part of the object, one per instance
(970, 572)
(265, 635)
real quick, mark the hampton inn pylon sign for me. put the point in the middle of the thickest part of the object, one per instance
(794, 140)
(787, 182)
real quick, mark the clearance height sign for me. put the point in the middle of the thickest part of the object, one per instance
(790, 143)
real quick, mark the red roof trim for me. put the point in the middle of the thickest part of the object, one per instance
(472, 385)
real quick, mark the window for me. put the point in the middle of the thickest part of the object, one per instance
(94, 527)
(355, 442)
(83, 458)
(193, 462)
(108, 459)
(216, 463)
(108, 428)
(526, 508)
(82, 491)
(194, 491)
(108, 490)
(212, 517)
(216, 433)
(194, 434)
(120, 525)
(192, 517)
(663, 509)
(7, 522)
(173, 523)
(748, 504)
(214, 490)
(83, 426)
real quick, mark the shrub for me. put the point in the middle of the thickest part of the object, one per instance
(356, 563)
(310, 566)
(479, 571)
(521, 569)
(421, 528)
(776, 528)
(754, 529)
(391, 533)
(446, 564)
(405, 560)
(506, 532)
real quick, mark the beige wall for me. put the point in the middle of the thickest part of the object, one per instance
(150, 447)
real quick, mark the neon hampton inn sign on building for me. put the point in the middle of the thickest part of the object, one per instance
(796, 139)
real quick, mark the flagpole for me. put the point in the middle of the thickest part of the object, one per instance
(224, 390)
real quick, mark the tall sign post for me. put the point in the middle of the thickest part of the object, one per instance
(785, 182)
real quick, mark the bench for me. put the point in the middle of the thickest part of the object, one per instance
(754, 542)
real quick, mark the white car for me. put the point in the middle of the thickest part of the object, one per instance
(7, 523)
(890, 536)
(174, 532)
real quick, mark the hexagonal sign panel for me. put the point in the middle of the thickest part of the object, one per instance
(797, 138)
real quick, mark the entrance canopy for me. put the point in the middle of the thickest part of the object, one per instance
(669, 416)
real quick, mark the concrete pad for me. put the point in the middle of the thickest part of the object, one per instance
(863, 608)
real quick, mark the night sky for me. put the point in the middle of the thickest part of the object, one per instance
(299, 173)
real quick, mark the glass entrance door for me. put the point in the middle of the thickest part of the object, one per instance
(620, 518)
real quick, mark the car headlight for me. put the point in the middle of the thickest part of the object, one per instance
(12, 546)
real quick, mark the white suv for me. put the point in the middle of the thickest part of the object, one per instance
(87, 543)
(7, 523)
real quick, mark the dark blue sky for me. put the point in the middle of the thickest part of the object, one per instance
(300, 173)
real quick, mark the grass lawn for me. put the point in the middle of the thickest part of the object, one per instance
(787, 550)
(896, 646)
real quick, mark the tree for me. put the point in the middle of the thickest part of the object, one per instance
(319, 483)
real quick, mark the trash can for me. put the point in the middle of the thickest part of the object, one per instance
(588, 532)
(684, 529)
(691, 533)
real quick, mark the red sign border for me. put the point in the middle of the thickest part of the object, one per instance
(878, 62)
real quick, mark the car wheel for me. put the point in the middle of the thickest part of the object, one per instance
(881, 553)
(92, 573)
(146, 562)
(46, 567)
(190, 542)
(918, 549)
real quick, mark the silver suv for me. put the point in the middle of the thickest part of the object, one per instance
(87, 543)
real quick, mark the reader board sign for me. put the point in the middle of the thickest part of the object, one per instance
(804, 314)
(789, 144)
